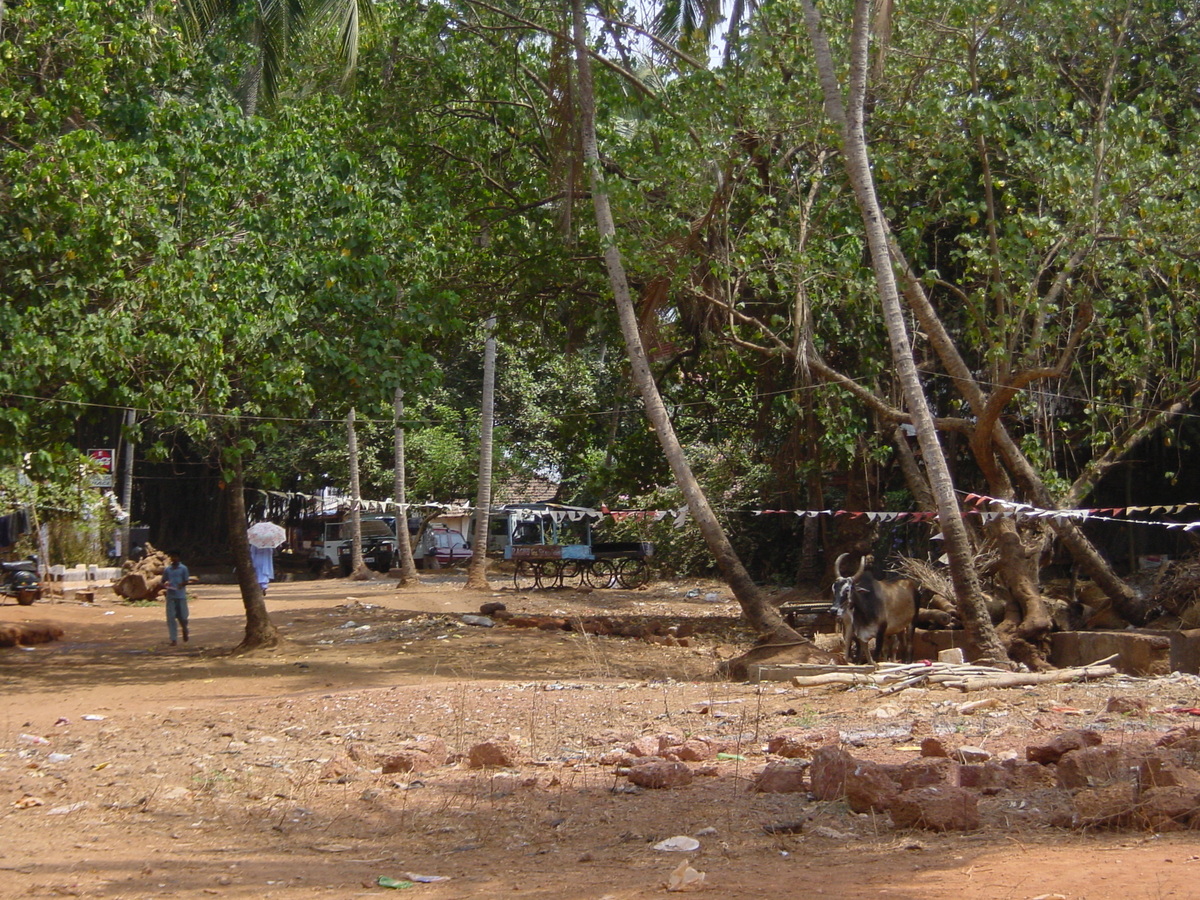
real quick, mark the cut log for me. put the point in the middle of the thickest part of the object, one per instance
(143, 579)
(1098, 669)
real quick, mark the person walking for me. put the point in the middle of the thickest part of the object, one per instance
(264, 565)
(175, 577)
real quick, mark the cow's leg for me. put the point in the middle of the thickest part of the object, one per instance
(881, 639)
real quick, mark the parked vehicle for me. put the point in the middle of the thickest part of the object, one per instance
(21, 580)
(442, 547)
(378, 549)
(334, 547)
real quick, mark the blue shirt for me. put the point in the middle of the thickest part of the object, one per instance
(176, 578)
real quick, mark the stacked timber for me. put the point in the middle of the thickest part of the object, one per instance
(894, 677)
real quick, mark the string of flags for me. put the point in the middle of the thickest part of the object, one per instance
(981, 506)
(988, 509)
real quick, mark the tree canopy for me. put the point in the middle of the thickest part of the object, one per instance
(242, 274)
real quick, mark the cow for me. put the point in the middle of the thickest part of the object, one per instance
(869, 608)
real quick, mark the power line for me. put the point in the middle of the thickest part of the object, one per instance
(757, 395)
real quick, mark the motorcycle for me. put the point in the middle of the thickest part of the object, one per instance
(21, 580)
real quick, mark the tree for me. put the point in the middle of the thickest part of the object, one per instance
(477, 567)
(848, 118)
(408, 568)
(758, 612)
(270, 32)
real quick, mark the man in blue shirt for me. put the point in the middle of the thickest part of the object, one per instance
(175, 577)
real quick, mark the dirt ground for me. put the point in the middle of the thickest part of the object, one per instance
(131, 769)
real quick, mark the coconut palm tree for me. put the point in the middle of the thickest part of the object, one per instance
(272, 28)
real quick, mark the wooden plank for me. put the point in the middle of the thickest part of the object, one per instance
(788, 671)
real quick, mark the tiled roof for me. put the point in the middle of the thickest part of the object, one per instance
(526, 489)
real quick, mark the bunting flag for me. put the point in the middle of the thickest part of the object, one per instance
(986, 509)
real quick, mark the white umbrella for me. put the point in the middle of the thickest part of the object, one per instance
(266, 535)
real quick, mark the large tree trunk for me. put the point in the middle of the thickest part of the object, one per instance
(477, 567)
(758, 612)
(849, 120)
(260, 631)
(408, 568)
(998, 454)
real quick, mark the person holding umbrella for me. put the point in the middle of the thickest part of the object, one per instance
(264, 537)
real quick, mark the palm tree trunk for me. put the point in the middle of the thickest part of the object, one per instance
(408, 568)
(358, 568)
(759, 613)
(477, 567)
(849, 120)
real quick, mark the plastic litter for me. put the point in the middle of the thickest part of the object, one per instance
(32, 739)
(67, 810)
(425, 879)
(93, 717)
(681, 842)
(685, 878)
(388, 882)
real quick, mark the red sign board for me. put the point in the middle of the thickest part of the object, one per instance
(104, 458)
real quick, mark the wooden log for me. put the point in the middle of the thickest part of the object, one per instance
(1020, 679)
(834, 678)
(144, 579)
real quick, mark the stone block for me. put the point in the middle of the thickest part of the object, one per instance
(795, 743)
(927, 772)
(780, 778)
(830, 766)
(1107, 806)
(1137, 652)
(870, 788)
(1094, 767)
(943, 808)
(662, 774)
(930, 644)
(1185, 651)
(1029, 776)
(694, 750)
(1048, 754)
(988, 778)
(1172, 808)
(1163, 768)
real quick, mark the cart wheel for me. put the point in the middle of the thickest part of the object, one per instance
(570, 573)
(633, 573)
(526, 576)
(601, 574)
(549, 574)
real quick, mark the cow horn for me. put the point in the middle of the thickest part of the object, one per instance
(862, 564)
(837, 566)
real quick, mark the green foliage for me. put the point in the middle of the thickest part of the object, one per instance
(245, 281)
